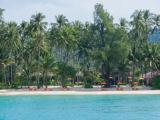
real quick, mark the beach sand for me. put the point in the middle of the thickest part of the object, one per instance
(25, 92)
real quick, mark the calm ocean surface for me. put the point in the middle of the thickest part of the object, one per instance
(100, 107)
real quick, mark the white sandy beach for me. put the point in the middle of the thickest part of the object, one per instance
(22, 92)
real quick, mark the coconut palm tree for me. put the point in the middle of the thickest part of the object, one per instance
(62, 38)
(48, 67)
(12, 43)
(38, 29)
(141, 26)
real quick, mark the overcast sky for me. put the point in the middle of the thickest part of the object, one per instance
(18, 10)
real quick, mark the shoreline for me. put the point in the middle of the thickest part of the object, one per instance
(32, 93)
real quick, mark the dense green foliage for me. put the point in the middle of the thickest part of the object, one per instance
(156, 82)
(35, 53)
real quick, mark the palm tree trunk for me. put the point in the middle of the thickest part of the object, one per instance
(45, 80)
(28, 81)
(28, 78)
(5, 77)
(11, 73)
(38, 85)
(145, 71)
(133, 72)
(9, 76)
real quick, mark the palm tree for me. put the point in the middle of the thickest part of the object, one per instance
(26, 51)
(141, 26)
(1, 14)
(6, 63)
(62, 38)
(39, 44)
(12, 44)
(61, 20)
(48, 65)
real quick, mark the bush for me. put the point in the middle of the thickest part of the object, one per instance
(88, 80)
(65, 72)
(156, 82)
(70, 84)
(2, 86)
(15, 84)
(137, 74)
(88, 86)
(88, 83)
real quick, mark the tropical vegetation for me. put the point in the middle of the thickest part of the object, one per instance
(72, 53)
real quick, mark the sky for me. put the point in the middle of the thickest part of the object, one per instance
(18, 10)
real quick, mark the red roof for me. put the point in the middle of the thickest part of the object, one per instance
(103, 83)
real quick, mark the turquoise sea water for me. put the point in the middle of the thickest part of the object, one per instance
(105, 107)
